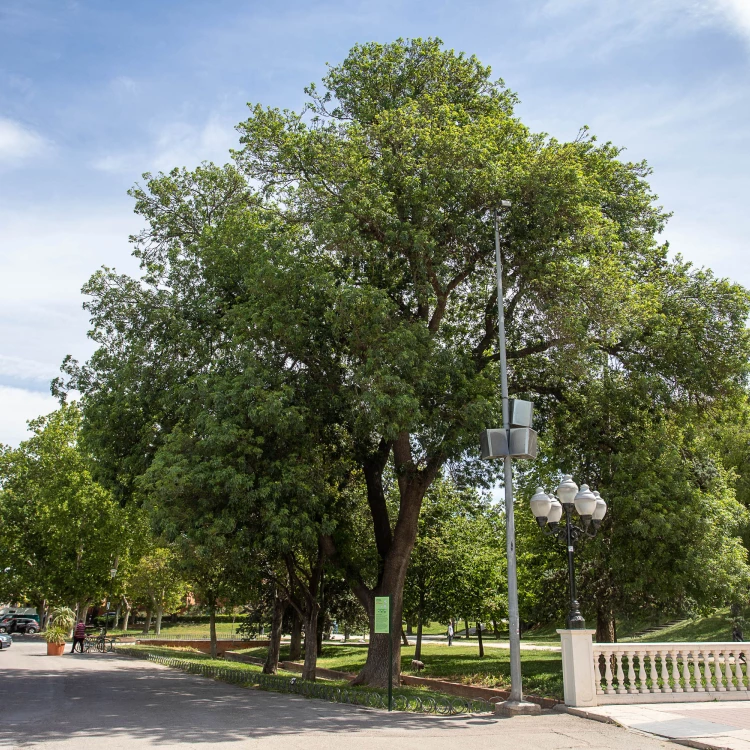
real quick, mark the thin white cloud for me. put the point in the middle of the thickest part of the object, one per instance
(736, 12)
(603, 26)
(18, 406)
(19, 142)
(175, 144)
(26, 369)
(124, 84)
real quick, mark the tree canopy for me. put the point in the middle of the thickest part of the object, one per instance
(317, 322)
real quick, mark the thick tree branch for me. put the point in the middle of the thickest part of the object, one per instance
(372, 467)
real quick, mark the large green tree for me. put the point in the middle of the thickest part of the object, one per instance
(344, 271)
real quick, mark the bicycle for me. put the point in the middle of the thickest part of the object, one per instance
(100, 643)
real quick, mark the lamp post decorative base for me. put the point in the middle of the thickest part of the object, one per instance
(575, 619)
(517, 708)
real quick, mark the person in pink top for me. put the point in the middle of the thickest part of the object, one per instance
(79, 635)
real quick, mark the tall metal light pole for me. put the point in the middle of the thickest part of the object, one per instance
(515, 704)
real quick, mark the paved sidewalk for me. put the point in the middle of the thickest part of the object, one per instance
(714, 724)
(95, 701)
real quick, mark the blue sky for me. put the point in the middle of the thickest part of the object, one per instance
(92, 94)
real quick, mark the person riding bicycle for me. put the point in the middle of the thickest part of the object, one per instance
(79, 636)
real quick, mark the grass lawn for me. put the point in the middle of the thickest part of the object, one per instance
(190, 654)
(224, 630)
(542, 670)
(714, 627)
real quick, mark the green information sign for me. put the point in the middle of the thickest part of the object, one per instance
(382, 614)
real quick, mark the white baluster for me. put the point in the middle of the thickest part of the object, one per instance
(620, 674)
(665, 686)
(717, 671)
(696, 656)
(642, 671)
(608, 673)
(728, 671)
(654, 675)
(675, 671)
(686, 670)
(738, 670)
(632, 686)
(707, 669)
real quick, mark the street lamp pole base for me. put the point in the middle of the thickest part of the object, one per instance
(517, 708)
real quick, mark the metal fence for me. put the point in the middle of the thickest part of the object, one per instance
(437, 704)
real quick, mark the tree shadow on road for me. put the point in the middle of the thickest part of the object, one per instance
(111, 696)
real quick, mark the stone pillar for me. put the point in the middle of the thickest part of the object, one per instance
(578, 667)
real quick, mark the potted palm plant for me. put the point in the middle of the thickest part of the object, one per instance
(55, 637)
(60, 622)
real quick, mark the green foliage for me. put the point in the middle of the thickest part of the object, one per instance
(671, 542)
(319, 320)
(457, 566)
(61, 530)
(62, 617)
(56, 634)
(156, 582)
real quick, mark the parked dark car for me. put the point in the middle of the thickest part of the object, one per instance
(16, 624)
(5, 641)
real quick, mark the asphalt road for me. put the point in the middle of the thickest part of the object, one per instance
(105, 701)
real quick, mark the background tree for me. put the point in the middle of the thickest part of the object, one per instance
(158, 585)
(61, 531)
(671, 542)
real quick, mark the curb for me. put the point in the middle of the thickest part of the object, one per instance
(697, 744)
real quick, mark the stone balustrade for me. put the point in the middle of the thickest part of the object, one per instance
(652, 672)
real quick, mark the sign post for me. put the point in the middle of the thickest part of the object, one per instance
(383, 625)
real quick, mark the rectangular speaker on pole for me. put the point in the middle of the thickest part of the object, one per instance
(493, 443)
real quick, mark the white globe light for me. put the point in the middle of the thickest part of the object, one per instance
(567, 489)
(585, 502)
(555, 512)
(540, 503)
(601, 508)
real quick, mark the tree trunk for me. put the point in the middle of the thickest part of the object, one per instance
(375, 671)
(409, 626)
(605, 624)
(404, 639)
(418, 649)
(466, 624)
(479, 637)
(274, 646)
(496, 629)
(126, 619)
(319, 631)
(212, 627)
(311, 642)
(118, 612)
(295, 644)
(147, 623)
(159, 613)
(394, 544)
(346, 633)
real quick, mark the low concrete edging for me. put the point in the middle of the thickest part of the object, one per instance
(458, 689)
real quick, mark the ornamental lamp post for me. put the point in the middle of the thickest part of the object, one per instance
(548, 511)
